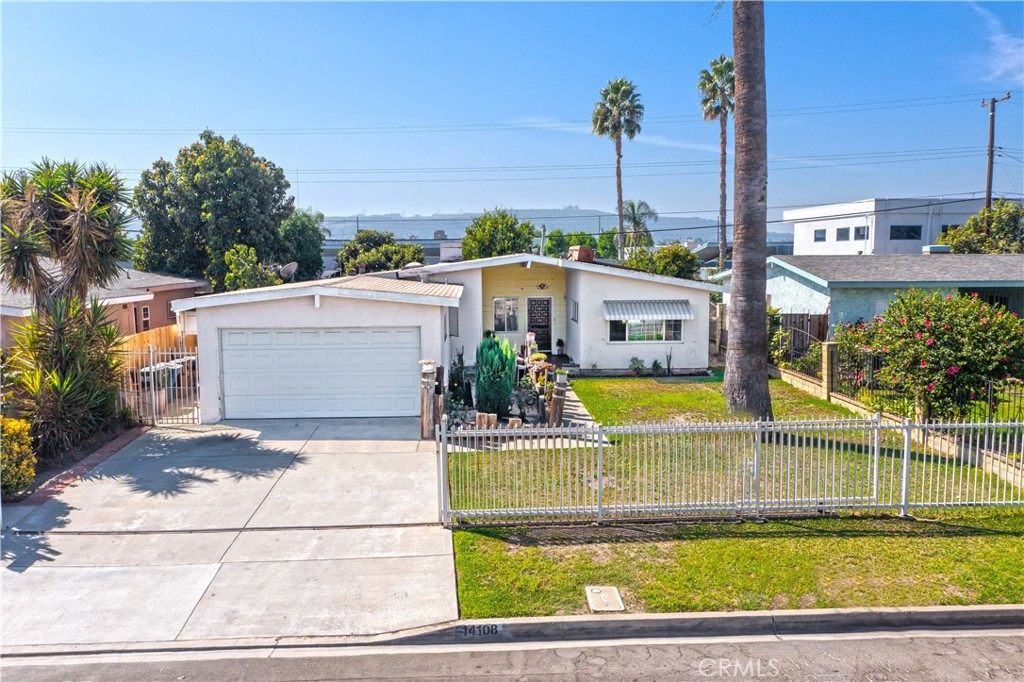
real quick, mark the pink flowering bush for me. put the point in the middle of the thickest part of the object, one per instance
(941, 348)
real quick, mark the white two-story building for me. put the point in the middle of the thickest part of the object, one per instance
(876, 226)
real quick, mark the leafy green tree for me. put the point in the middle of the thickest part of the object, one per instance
(675, 260)
(378, 252)
(556, 244)
(716, 87)
(216, 194)
(302, 241)
(635, 214)
(618, 113)
(245, 271)
(1005, 233)
(580, 239)
(640, 258)
(497, 233)
(391, 256)
(607, 244)
(942, 348)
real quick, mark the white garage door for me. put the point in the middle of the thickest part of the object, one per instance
(347, 372)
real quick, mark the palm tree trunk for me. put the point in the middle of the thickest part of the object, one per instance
(722, 242)
(746, 359)
(618, 191)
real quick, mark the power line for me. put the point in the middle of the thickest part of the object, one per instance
(490, 127)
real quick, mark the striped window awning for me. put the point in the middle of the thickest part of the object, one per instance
(647, 310)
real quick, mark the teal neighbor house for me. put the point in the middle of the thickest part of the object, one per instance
(850, 288)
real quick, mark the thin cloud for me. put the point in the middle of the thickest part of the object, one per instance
(1004, 61)
(584, 129)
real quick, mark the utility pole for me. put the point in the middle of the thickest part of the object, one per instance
(991, 104)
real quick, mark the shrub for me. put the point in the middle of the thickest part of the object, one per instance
(656, 368)
(940, 348)
(637, 365)
(67, 373)
(17, 461)
(495, 376)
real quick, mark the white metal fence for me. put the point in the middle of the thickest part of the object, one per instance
(160, 385)
(673, 471)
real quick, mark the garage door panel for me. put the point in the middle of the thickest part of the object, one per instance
(344, 372)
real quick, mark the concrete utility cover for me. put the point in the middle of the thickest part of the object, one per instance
(604, 598)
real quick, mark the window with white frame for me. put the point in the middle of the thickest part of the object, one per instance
(819, 235)
(634, 331)
(506, 314)
(574, 311)
(145, 318)
(842, 234)
(860, 232)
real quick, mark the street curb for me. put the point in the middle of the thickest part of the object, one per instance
(58, 483)
(778, 624)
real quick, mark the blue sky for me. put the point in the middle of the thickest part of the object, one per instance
(867, 99)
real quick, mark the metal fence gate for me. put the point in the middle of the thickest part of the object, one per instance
(160, 385)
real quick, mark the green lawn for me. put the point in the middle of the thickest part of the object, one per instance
(975, 558)
(616, 401)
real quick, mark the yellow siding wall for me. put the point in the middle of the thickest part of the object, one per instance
(508, 281)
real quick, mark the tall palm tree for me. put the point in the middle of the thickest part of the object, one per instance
(635, 214)
(746, 360)
(618, 113)
(716, 87)
(63, 229)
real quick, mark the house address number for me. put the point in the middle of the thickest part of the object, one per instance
(482, 630)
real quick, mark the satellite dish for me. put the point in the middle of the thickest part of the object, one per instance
(288, 271)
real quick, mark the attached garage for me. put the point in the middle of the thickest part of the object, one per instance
(348, 347)
(340, 372)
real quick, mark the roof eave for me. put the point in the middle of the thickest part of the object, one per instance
(261, 295)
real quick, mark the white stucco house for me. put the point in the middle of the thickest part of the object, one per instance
(350, 347)
(876, 226)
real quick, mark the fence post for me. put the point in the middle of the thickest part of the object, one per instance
(442, 466)
(876, 456)
(152, 383)
(828, 361)
(600, 472)
(905, 478)
(758, 432)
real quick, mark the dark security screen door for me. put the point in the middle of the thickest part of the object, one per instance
(538, 314)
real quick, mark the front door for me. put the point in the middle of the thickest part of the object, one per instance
(538, 321)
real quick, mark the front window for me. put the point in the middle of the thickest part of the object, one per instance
(860, 232)
(506, 314)
(843, 234)
(819, 235)
(904, 232)
(645, 330)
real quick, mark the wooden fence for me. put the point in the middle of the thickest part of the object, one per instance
(163, 338)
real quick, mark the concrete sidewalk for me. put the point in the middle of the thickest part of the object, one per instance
(255, 529)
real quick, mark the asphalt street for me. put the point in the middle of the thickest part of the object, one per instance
(919, 656)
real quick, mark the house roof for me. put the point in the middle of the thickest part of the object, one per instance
(928, 270)
(376, 287)
(131, 285)
(530, 258)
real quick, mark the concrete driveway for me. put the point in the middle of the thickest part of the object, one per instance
(270, 528)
